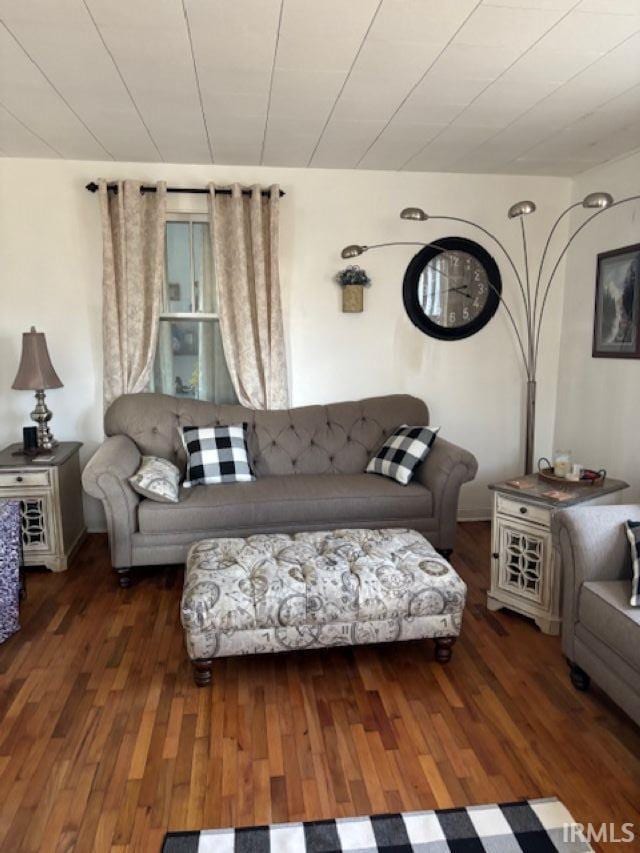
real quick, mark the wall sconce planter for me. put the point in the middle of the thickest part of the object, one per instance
(353, 281)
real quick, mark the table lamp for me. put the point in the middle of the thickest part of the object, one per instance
(36, 373)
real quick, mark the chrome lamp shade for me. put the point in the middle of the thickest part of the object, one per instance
(36, 373)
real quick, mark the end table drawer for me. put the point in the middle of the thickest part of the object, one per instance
(23, 478)
(520, 509)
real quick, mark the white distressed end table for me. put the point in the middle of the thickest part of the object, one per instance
(525, 574)
(50, 494)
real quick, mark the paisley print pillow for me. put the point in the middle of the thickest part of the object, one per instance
(157, 479)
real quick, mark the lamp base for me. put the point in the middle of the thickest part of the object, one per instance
(42, 415)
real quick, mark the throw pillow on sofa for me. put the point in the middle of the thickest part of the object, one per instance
(402, 452)
(216, 455)
(633, 534)
(157, 479)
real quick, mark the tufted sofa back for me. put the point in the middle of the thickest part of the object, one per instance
(335, 439)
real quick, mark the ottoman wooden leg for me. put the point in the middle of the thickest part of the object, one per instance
(202, 671)
(444, 646)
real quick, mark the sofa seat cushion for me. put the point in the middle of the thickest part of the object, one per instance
(332, 499)
(605, 611)
(339, 576)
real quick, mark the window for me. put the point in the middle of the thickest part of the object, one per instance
(190, 360)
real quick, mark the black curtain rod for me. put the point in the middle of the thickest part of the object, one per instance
(93, 188)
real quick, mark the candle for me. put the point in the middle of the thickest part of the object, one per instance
(562, 463)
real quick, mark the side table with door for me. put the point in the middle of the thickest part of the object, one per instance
(50, 494)
(525, 574)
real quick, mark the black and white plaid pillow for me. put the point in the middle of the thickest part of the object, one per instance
(633, 534)
(216, 455)
(402, 452)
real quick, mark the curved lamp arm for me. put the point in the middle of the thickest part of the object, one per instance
(559, 259)
(546, 249)
(527, 366)
(530, 318)
(500, 245)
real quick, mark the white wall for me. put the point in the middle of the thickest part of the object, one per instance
(598, 409)
(51, 277)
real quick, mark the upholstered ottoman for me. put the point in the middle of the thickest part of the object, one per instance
(276, 593)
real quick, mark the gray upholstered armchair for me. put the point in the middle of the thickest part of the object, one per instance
(309, 462)
(600, 629)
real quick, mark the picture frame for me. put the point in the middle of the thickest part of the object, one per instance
(175, 294)
(616, 322)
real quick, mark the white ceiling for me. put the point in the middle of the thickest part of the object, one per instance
(518, 86)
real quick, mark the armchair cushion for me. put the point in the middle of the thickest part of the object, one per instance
(605, 610)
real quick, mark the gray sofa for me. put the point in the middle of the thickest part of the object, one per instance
(600, 629)
(309, 463)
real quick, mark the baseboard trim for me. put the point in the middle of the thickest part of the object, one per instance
(474, 514)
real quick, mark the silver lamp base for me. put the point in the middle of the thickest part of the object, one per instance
(42, 415)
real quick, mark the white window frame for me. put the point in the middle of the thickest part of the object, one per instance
(174, 216)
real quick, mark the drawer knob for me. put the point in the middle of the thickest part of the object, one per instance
(523, 510)
(19, 479)
(495, 555)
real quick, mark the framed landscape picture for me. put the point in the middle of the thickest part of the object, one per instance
(616, 327)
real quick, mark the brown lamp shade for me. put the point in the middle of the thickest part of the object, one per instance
(35, 371)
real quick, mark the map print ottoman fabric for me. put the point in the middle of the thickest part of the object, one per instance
(10, 551)
(272, 593)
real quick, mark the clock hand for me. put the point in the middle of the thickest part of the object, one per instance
(459, 290)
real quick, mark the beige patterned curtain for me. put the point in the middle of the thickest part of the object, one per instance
(244, 236)
(133, 226)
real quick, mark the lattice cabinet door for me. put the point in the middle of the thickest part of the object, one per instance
(37, 534)
(523, 567)
(524, 554)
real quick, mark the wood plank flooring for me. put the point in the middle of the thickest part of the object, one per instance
(105, 742)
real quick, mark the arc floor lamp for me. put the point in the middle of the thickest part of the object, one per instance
(533, 286)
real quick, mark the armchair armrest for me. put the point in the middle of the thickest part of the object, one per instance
(106, 477)
(590, 544)
(443, 472)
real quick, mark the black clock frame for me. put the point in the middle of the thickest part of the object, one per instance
(412, 280)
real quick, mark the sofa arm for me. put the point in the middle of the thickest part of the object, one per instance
(106, 477)
(590, 544)
(443, 472)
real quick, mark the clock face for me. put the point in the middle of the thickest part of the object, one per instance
(451, 288)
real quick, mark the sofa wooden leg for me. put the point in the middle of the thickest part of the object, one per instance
(124, 577)
(202, 671)
(579, 677)
(444, 647)
(445, 552)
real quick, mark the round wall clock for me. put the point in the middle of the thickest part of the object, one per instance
(451, 288)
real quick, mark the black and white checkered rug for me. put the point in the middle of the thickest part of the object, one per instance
(530, 826)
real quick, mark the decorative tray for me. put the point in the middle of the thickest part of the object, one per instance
(588, 478)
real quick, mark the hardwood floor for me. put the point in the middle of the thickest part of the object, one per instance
(105, 742)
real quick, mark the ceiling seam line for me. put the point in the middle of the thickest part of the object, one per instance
(29, 130)
(416, 84)
(344, 82)
(557, 89)
(502, 73)
(632, 153)
(197, 79)
(121, 76)
(598, 107)
(273, 70)
(56, 90)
